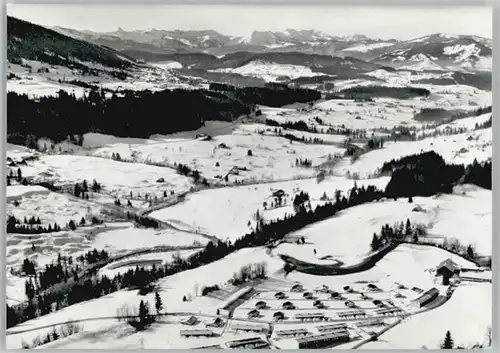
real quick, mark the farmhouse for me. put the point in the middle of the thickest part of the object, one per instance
(297, 288)
(323, 340)
(310, 316)
(447, 269)
(248, 343)
(288, 306)
(278, 193)
(426, 298)
(196, 333)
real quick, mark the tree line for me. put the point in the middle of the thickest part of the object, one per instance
(426, 174)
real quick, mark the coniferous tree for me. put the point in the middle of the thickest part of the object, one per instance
(448, 341)
(158, 303)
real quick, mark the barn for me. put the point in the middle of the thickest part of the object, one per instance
(447, 269)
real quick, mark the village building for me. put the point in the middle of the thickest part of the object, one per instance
(351, 314)
(308, 295)
(292, 333)
(332, 327)
(196, 333)
(297, 288)
(218, 322)
(248, 343)
(261, 305)
(249, 328)
(278, 316)
(310, 317)
(253, 314)
(288, 306)
(447, 270)
(323, 340)
(425, 298)
(191, 321)
(389, 311)
(280, 295)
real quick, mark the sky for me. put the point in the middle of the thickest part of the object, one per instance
(376, 22)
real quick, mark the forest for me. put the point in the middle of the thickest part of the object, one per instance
(136, 113)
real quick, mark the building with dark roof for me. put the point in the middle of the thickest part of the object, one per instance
(323, 340)
(248, 343)
(261, 305)
(426, 298)
(310, 316)
(280, 295)
(447, 269)
(292, 333)
(297, 288)
(332, 327)
(193, 320)
(253, 314)
(278, 316)
(288, 306)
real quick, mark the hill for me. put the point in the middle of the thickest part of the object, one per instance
(26, 40)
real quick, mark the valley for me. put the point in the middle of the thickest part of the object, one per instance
(190, 189)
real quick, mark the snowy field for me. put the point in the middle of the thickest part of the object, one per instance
(50, 207)
(467, 315)
(234, 207)
(116, 178)
(172, 289)
(455, 149)
(273, 158)
(408, 265)
(129, 238)
(346, 237)
(270, 71)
